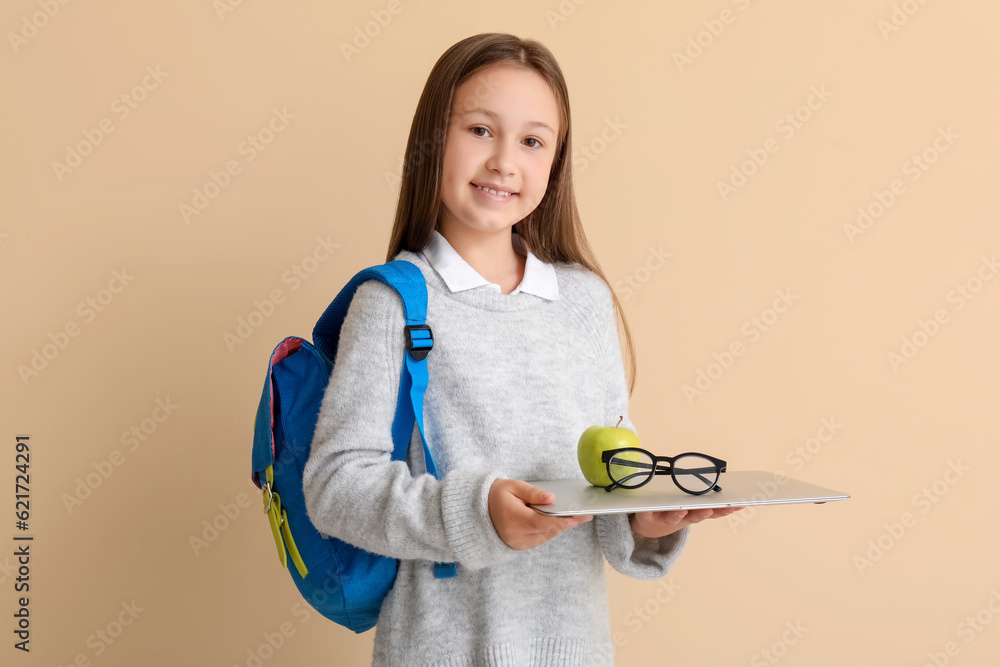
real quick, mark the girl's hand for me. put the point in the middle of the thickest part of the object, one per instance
(661, 524)
(519, 526)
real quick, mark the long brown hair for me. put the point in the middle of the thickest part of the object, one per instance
(553, 231)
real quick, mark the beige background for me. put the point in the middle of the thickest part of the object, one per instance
(888, 577)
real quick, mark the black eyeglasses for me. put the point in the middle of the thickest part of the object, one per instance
(694, 473)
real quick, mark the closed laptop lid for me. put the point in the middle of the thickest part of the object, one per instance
(740, 488)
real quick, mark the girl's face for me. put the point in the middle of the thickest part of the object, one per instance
(502, 136)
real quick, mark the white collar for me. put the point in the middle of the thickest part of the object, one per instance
(539, 277)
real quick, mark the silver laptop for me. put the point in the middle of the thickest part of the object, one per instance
(739, 489)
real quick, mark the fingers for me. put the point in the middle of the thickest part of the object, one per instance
(531, 495)
(519, 526)
(529, 531)
(697, 516)
(659, 524)
(663, 523)
(725, 511)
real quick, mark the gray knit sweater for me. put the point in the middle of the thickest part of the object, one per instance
(514, 381)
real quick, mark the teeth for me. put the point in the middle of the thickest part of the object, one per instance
(494, 192)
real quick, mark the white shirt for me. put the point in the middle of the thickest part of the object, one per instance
(539, 277)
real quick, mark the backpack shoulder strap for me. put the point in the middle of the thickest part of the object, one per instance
(407, 279)
(401, 275)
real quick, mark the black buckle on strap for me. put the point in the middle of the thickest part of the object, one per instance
(420, 344)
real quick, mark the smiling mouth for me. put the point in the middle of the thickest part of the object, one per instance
(499, 193)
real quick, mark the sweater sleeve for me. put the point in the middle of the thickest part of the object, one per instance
(353, 490)
(626, 551)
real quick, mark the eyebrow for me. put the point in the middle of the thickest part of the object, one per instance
(496, 117)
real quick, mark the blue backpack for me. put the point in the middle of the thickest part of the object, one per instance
(342, 582)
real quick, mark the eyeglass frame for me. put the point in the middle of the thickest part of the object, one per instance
(608, 455)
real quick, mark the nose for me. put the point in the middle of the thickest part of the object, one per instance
(501, 160)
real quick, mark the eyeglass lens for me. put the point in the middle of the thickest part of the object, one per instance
(631, 468)
(695, 474)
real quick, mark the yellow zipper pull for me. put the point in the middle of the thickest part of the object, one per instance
(272, 505)
(293, 550)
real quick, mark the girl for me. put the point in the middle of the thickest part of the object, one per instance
(526, 356)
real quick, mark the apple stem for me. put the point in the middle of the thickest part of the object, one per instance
(620, 418)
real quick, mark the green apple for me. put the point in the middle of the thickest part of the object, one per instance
(595, 441)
